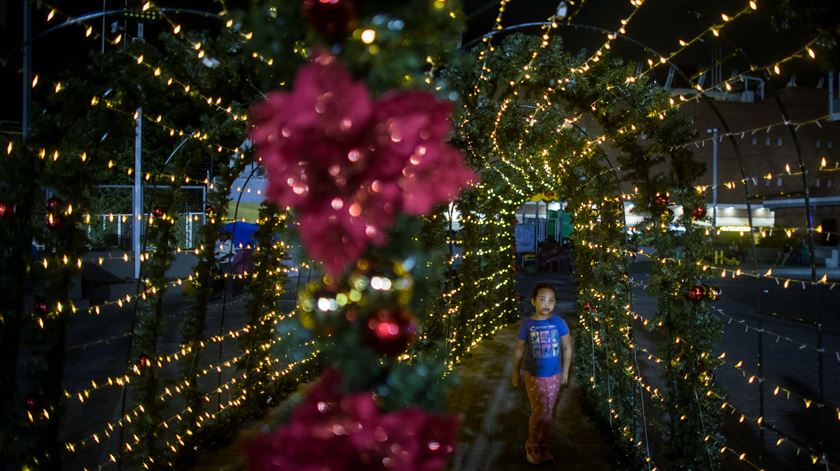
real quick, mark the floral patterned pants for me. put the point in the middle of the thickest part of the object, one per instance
(542, 393)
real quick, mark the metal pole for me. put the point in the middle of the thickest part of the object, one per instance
(714, 132)
(138, 192)
(102, 42)
(27, 67)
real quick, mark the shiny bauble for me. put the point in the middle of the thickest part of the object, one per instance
(7, 210)
(389, 332)
(333, 19)
(713, 293)
(32, 402)
(143, 361)
(54, 203)
(320, 310)
(696, 293)
(699, 212)
(661, 199)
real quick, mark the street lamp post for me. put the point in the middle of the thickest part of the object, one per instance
(714, 133)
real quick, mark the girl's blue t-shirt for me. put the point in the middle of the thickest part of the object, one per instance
(542, 345)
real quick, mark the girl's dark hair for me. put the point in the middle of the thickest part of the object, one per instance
(538, 287)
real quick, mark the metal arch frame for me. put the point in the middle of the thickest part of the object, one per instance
(809, 227)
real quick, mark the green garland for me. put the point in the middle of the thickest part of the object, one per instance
(146, 388)
(521, 157)
(268, 285)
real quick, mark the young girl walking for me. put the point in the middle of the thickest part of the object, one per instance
(546, 346)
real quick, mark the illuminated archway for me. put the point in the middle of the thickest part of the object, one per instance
(537, 119)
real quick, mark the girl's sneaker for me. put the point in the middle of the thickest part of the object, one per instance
(545, 454)
(530, 457)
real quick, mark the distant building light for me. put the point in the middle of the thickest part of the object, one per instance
(734, 228)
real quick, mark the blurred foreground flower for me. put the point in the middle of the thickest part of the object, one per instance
(331, 431)
(349, 165)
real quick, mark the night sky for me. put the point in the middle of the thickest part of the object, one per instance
(658, 25)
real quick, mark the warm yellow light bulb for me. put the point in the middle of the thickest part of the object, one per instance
(368, 36)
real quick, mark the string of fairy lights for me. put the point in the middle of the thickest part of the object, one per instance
(135, 370)
(737, 271)
(133, 414)
(729, 320)
(207, 416)
(84, 395)
(778, 391)
(633, 373)
(818, 121)
(468, 253)
(124, 300)
(129, 446)
(171, 391)
(749, 378)
(502, 109)
(723, 271)
(715, 29)
(759, 421)
(156, 70)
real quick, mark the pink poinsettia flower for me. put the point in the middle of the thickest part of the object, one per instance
(435, 174)
(349, 165)
(312, 139)
(338, 432)
(332, 234)
(404, 121)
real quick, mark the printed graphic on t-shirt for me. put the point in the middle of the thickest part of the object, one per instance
(545, 342)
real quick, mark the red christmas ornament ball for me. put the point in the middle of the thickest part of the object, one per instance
(53, 203)
(699, 212)
(661, 199)
(143, 361)
(7, 210)
(696, 293)
(158, 211)
(389, 332)
(41, 307)
(332, 18)
(32, 402)
(587, 306)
